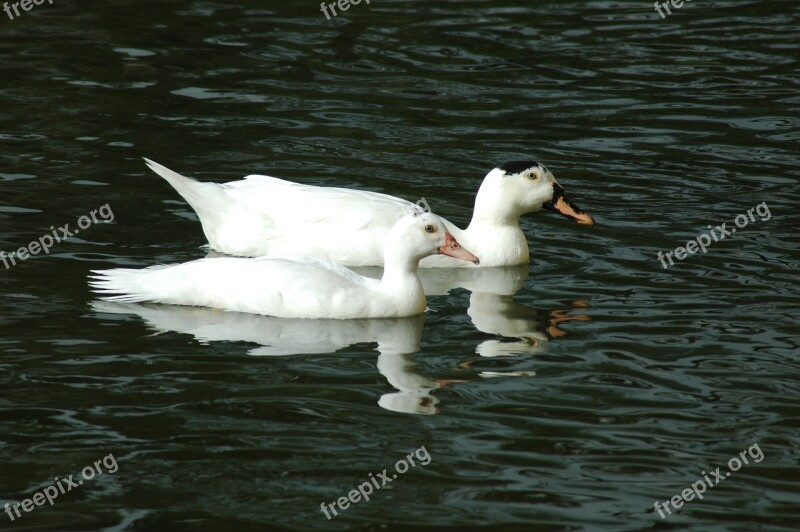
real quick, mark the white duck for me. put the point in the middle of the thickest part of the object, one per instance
(295, 287)
(261, 215)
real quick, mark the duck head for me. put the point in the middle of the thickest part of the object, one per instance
(528, 186)
(420, 234)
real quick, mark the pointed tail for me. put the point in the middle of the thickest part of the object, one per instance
(206, 199)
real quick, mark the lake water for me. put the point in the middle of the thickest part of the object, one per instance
(572, 394)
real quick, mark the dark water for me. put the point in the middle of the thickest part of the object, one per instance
(605, 384)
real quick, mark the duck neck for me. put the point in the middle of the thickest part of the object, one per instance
(493, 211)
(494, 233)
(401, 282)
(398, 269)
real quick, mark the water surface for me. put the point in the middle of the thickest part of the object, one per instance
(570, 394)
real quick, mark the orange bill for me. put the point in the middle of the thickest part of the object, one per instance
(562, 205)
(452, 248)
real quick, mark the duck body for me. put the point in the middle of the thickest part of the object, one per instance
(285, 287)
(294, 287)
(262, 215)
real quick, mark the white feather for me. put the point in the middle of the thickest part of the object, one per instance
(290, 287)
(262, 215)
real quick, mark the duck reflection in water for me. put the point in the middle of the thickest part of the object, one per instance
(492, 310)
(396, 340)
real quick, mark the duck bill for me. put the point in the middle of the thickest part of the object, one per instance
(565, 207)
(452, 248)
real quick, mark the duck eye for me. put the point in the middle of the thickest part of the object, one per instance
(533, 176)
(430, 229)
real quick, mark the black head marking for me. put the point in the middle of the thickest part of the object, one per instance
(515, 167)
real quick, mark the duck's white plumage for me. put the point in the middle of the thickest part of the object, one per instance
(262, 215)
(294, 287)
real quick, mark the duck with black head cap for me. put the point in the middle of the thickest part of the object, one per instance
(262, 215)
